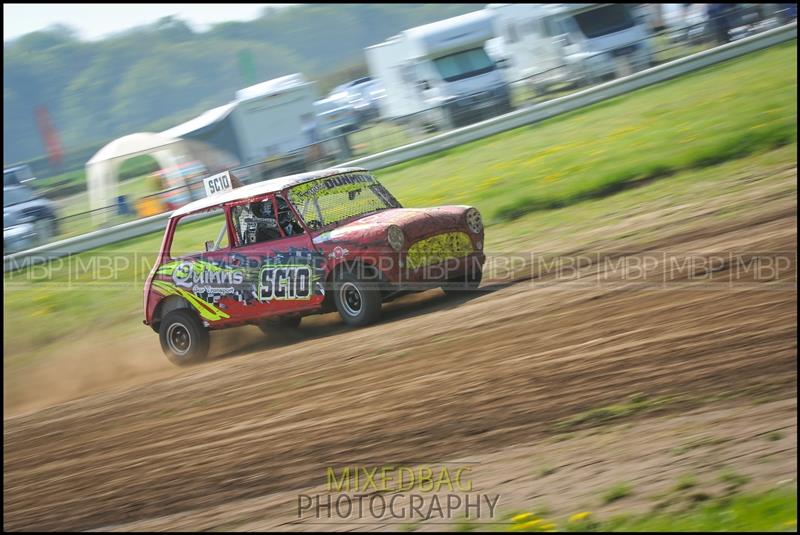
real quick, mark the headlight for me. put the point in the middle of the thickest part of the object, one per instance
(474, 221)
(395, 238)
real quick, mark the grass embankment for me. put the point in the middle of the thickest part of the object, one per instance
(725, 112)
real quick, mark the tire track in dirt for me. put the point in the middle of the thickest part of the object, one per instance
(448, 378)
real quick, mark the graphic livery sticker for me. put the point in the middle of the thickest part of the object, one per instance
(207, 285)
(438, 248)
(329, 186)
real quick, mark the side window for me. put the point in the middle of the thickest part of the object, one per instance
(264, 220)
(255, 222)
(199, 233)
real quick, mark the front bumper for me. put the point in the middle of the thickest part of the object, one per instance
(432, 261)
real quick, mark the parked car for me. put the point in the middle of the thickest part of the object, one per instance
(28, 220)
(303, 244)
(336, 117)
(363, 95)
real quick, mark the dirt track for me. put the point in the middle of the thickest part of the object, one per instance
(438, 378)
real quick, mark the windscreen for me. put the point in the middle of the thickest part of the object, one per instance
(604, 20)
(327, 201)
(464, 64)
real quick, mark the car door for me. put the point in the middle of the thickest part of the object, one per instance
(285, 270)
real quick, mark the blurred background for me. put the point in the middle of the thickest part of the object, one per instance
(286, 90)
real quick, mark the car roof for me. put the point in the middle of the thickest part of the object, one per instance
(261, 188)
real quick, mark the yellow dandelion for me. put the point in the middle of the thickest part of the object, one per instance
(548, 526)
(579, 517)
(527, 525)
(522, 517)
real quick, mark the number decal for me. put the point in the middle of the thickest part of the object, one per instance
(284, 283)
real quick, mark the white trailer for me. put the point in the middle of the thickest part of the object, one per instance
(439, 74)
(270, 118)
(546, 44)
(269, 123)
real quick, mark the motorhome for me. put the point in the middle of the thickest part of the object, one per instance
(549, 44)
(439, 75)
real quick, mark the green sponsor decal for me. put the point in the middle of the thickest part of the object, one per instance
(438, 248)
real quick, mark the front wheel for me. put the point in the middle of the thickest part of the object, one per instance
(183, 337)
(357, 303)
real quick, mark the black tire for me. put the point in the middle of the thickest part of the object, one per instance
(183, 337)
(358, 303)
(463, 285)
(281, 323)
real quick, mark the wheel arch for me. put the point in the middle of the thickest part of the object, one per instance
(347, 265)
(167, 305)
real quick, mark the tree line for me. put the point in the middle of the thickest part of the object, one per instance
(152, 77)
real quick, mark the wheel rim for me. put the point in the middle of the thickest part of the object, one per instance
(179, 339)
(350, 298)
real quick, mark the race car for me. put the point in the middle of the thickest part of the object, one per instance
(316, 242)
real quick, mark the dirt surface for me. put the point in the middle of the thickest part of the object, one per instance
(710, 348)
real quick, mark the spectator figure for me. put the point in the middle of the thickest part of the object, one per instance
(719, 19)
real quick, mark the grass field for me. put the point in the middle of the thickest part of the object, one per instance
(773, 511)
(737, 113)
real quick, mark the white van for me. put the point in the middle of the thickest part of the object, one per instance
(547, 44)
(439, 75)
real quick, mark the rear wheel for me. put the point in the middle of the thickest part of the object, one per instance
(183, 337)
(358, 302)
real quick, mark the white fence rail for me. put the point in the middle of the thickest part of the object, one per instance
(453, 138)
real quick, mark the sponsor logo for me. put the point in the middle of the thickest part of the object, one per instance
(188, 274)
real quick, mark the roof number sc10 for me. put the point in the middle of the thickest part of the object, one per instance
(218, 183)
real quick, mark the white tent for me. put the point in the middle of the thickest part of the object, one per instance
(102, 170)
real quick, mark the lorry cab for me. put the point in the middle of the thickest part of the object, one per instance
(440, 73)
(576, 43)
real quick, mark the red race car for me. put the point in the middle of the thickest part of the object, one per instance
(269, 253)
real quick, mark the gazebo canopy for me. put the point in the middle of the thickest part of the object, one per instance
(102, 170)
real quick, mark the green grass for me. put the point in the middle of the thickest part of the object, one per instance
(601, 415)
(684, 124)
(733, 480)
(771, 511)
(774, 436)
(685, 482)
(663, 127)
(617, 492)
